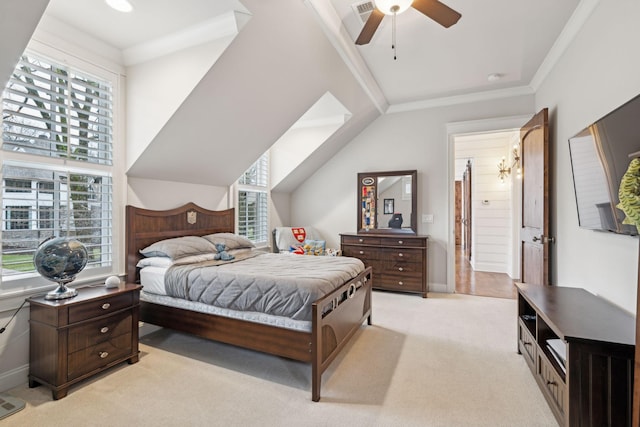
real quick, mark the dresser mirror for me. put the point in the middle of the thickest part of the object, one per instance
(387, 202)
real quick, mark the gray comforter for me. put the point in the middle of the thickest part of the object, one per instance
(276, 284)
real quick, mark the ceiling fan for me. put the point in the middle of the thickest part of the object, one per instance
(439, 12)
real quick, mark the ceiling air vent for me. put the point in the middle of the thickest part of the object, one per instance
(363, 10)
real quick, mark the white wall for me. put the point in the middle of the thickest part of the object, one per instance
(400, 141)
(154, 194)
(597, 73)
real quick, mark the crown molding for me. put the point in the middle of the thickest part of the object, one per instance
(226, 25)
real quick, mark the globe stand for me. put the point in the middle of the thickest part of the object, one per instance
(61, 292)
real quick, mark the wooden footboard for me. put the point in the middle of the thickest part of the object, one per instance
(336, 317)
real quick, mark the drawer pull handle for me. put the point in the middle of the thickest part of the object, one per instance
(106, 305)
(360, 240)
(104, 354)
(551, 382)
(361, 252)
(526, 343)
(400, 269)
(400, 242)
(400, 254)
(104, 330)
(400, 283)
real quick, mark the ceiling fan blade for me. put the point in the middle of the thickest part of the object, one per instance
(370, 27)
(439, 12)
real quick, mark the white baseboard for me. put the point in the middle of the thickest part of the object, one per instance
(438, 287)
(14, 378)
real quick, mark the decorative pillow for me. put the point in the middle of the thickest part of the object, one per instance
(179, 247)
(154, 261)
(230, 240)
(314, 247)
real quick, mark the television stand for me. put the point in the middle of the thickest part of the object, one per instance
(595, 385)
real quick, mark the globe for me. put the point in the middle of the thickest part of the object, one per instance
(60, 259)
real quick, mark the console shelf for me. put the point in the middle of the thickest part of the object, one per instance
(594, 385)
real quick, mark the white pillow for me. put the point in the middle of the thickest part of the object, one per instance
(154, 261)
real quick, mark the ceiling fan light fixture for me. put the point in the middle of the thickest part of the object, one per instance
(120, 5)
(390, 7)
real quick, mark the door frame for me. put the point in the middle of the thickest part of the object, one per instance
(497, 124)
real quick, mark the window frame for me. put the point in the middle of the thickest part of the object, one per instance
(262, 186)
(84, 62)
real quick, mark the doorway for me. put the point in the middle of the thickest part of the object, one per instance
(494, 209)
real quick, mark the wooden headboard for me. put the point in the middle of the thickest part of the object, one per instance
(144, 226)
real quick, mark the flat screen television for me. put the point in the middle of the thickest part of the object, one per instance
(600, 155)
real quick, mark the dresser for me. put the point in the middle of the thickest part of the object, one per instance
(399, 261)
(580, 349)
(74, 338)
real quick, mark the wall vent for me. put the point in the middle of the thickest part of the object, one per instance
(363, 9)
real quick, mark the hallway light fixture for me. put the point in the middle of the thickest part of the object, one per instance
(504, 171)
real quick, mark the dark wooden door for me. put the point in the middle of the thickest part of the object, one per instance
(466, 218)
(536, 220)
(458, 213)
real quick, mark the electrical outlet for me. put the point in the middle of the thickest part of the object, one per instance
(427, 218)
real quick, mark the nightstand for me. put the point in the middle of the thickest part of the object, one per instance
(75, 338)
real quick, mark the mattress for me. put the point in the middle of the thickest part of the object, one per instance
(267, 288)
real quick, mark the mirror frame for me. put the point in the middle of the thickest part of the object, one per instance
(414, 202)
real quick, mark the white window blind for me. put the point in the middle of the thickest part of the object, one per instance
(64, 114)
(253, 202)
(59, 203)
(51, 110)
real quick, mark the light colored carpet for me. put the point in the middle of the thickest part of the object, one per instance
(448, 360)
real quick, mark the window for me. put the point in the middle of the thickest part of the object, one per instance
(253, 202)
(64, 114)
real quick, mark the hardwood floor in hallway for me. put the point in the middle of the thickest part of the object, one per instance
(481, 283)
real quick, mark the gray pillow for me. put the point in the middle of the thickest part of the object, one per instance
(230, 240)
(179, 247)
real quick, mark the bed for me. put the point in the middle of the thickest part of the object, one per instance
(334, 317)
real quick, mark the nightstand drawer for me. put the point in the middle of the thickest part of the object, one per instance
(99, 307)
(84, 336)
(98, 355)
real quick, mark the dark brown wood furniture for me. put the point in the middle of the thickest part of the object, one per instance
(73, 339)
(399, 261)
(335, 317)
(597, 387)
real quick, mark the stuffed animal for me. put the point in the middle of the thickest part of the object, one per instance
(222, 253)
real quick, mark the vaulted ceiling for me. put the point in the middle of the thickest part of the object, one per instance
(278, 62)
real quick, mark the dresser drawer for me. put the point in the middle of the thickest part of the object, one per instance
(399, 282)
(97, 356)
(402, 241)
(99, 307)
(402, 267)
(363, 252)
(402, 254)
(360, 240)
(105, 329)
